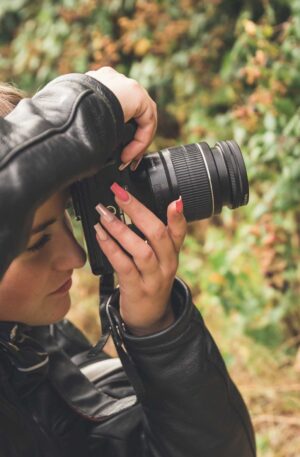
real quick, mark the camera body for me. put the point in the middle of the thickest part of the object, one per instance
(206, 179)
(86, 194)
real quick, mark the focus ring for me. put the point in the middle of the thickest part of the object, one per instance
(222, 145)
(242, 172)
(193, 181)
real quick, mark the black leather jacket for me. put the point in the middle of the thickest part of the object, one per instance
(189, 406)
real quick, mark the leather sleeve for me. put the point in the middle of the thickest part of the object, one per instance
(67, 131)
(191, 406)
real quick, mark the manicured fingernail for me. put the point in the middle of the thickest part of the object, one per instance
(135, 164)
(120, 192)
(104, 212)
(124, 165)
(100, 232)
(179, 205)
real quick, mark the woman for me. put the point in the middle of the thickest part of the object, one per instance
(190, 406)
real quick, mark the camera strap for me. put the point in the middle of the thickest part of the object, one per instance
(118, 330)
(112, 324)
(106, 289)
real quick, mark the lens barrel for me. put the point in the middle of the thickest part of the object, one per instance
(206, 178)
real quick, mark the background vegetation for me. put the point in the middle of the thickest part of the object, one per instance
(218, 70)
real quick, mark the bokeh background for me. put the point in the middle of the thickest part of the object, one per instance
(217, 69)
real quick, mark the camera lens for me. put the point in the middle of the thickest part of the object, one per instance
(206, 178)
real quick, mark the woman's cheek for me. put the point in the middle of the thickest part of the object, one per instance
(21, 290)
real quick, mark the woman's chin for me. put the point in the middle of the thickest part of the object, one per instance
(52, 310)
(58, 311)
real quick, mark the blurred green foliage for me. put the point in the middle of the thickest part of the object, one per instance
(217, 70)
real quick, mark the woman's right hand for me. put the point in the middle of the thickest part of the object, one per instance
(136, 104)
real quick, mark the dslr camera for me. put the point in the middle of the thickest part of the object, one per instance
(207, 178)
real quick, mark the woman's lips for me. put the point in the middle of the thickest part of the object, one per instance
(64, 288)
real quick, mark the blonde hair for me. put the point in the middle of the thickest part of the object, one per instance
(9, 98)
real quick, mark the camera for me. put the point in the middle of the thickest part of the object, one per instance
(206, 178)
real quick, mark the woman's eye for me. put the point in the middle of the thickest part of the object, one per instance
(39, 244)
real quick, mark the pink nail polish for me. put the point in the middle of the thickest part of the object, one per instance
(124, 165)
(104, 212)
(100, 232)
(135, 164)
(179, 205)
(119, 192)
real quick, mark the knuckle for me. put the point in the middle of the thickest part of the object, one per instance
(127, 269)
(118, 227)
(152, 116)
(178, 236)
(179, 232)
(160, 233)
(147, 254)
(133, 83)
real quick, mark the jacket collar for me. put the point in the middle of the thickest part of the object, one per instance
(25, 353)
(8, 331)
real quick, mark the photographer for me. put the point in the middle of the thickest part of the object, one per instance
(188, 406)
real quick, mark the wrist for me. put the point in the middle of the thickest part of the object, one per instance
(159, 325)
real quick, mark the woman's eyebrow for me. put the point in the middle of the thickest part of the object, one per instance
(41, 227)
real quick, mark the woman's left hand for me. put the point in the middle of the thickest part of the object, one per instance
(145, 278)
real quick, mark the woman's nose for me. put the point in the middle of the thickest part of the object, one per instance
(70, 254)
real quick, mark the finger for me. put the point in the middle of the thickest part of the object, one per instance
(137, 105)
(143, 255)
(177, 224)
(149, 224)
(135, 163)
(146, 128)
(121, 263)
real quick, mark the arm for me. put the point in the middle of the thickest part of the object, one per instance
(191, 406)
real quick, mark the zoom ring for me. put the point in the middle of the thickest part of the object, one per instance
(193, 182)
